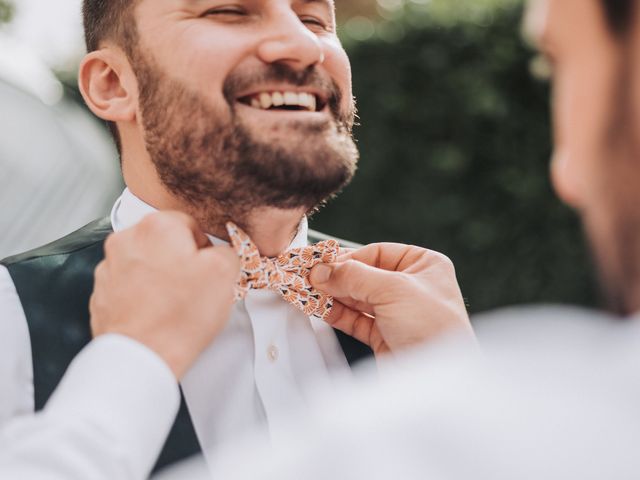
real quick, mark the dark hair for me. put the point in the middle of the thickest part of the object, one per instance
(108, 20)
(619, 14)
(111, 20)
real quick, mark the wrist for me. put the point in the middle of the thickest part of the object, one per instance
(170, 353)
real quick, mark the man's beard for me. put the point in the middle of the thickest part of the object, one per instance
(218, 168)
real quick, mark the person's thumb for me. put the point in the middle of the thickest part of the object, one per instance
(350, 279)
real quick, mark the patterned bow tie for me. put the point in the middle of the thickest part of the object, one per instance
(287, 274)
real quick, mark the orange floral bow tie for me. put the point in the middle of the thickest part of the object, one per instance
(287, 274)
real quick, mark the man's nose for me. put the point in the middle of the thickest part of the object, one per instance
(290, 41)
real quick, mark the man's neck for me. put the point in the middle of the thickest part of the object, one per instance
(270, 229)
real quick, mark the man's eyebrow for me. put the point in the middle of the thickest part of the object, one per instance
(192, 2)
(329, 3)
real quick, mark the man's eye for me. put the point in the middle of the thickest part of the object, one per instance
(314, 22)
(224, 11)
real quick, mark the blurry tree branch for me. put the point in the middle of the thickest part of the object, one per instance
(6, 11)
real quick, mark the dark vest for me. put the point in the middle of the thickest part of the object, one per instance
(54, 284)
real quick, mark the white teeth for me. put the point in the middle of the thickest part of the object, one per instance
(291, 98)
(308, 101)
(303, 99)
(266, 100)
(278, 99)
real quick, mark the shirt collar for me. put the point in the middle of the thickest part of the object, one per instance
(129, 210)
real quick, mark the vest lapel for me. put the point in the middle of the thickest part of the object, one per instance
(353, 349)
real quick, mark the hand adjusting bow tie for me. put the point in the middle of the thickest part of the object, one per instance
(286, 274)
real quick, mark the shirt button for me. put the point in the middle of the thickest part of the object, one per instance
(273, 353)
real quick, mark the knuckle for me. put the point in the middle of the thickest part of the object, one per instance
(174, 219)
(441, 259)
(208, 262)
(353, 275)
(94, 309)
(111, 243)
(180, 218)
(227, 262)
(348, 268)
(346, 271)
(155, 222)
(100, 272)
(404, 280)
(166, 226)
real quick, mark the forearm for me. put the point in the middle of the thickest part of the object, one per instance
(108, 419)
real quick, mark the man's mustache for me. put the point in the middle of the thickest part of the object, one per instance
(310, 77)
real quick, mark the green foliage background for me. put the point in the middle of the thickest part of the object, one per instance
(6, 11)
(455, 144)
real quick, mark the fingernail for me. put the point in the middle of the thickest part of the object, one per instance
(321, 273)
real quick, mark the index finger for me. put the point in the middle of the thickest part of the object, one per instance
(200, 238)
(389, 256)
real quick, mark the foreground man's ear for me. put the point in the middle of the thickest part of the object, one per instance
(108, 85)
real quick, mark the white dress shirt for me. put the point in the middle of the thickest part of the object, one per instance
(107, 420)
(269, 358)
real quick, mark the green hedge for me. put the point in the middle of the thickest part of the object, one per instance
(455, 144)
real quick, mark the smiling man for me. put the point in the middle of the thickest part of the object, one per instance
(228, 111)
(235, 111)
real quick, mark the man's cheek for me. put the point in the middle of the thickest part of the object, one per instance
(337, 63)
(635, 99)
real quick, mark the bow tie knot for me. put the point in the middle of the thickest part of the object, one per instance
(286, 274)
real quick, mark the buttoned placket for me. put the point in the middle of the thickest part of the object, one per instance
(275, 380)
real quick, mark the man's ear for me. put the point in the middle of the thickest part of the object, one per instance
(108, 85)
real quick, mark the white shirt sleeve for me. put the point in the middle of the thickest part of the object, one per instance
(108, 418)
(16, 370)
